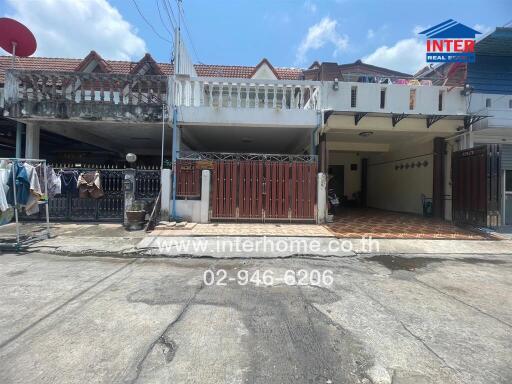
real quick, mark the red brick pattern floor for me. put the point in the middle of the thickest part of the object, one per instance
(392, 225)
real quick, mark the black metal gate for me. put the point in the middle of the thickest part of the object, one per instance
(110, 207)
(70, 207)
(476, 186)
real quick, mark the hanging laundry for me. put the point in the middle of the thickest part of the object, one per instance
(53, 182)
(69, 182)
(31, 206)
(4, 176)
(89, 185)
(22, 184)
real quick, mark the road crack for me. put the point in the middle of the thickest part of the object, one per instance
(162, 338)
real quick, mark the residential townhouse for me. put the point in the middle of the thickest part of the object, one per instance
(263, 133)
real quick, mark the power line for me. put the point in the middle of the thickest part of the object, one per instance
(188, 32)
(149, 24)
(162, 20)
(170, 12)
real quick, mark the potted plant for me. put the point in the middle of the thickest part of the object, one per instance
(136, 214)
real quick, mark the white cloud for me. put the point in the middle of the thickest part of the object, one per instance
(419, 28)
(370, 34)
(318, 35)
(310, 6)
(65, 28)
(406, 55)
(483, 28)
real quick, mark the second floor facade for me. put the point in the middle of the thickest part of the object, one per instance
(97, 89)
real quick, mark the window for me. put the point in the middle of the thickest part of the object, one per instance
(383, 98)
(440, 101)
(353, 96)
(412, 99)
(510, 103)
(488, 103)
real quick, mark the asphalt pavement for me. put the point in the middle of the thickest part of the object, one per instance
(356, 319)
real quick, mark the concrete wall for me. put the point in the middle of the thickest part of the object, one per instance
(500, 112)
(352, 179)
(400, 189)
(397, 98)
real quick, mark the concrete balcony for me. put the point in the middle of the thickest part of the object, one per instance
(359, 107)
(393, 98)
(80, 96)
(204, 101)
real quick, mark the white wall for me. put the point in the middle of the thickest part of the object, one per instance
(397, 98)
(400, 190)
(352, 179)
(264, 72)
(500, 112)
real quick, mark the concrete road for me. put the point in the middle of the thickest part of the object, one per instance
(384, 319)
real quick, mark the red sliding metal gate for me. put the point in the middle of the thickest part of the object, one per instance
(264, 189)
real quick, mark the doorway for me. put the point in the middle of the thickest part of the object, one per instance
(338, 180)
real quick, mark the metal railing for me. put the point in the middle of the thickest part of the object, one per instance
(191, 155)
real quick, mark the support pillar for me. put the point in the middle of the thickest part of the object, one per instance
(20, 128)
(364, 182)
(323, 153)
(205, 196)
(438, 178)
(129, 192)
(165, 198)
(32, 134)
(321, 196)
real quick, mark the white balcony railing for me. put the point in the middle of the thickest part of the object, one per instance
(217, 92)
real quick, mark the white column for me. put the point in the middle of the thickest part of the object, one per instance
(165, 182)
(321, 196)
(205, 196)
(32, 133)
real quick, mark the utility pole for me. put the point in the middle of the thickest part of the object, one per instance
(177, 68)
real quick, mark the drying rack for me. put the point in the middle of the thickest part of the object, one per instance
(22, 242)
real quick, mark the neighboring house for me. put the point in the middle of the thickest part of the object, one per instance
(381, 134)
(488, 99)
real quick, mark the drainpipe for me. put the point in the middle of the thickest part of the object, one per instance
(174, 156)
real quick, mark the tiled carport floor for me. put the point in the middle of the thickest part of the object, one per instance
(394, 225)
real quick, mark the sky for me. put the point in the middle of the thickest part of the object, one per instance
(289, 33)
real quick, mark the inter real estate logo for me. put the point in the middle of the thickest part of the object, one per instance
(450, 42)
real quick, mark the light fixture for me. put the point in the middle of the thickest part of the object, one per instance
(365, 133)
(131, 157)
(335, 85)
(466, 91)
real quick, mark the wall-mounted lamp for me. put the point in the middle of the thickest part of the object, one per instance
(335, 85)
(467, 90)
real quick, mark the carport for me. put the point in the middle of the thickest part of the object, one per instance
(388, 161)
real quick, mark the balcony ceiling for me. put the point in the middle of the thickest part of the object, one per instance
(142, 139)
(246, 139)
(383, 123)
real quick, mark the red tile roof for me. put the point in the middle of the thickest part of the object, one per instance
(125, 67)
